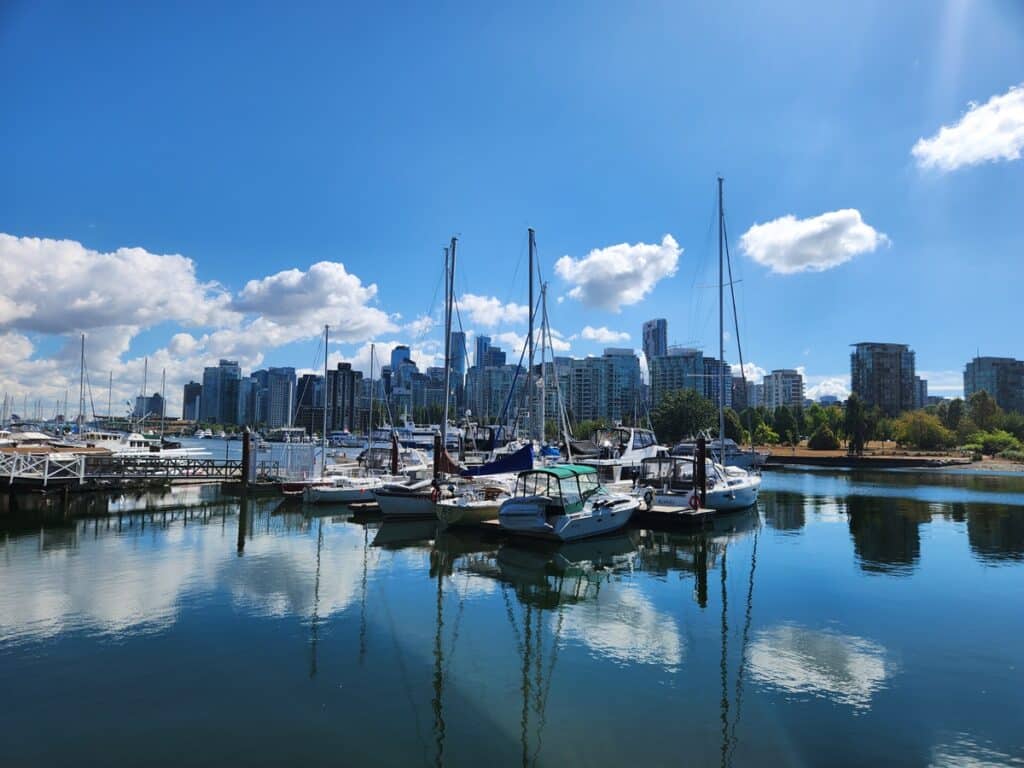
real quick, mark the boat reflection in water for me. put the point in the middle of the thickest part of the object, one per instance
(396, 643)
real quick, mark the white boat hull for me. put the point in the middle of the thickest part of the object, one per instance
(329, 494)
(525, 517)
(398, 504)
(461, 512)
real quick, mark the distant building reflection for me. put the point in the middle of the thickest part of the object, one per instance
(784, 511)
(885, 533)
(995, 532)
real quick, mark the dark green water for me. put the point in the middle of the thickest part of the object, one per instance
(852, 619)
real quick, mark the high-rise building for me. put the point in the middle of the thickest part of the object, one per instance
(920, 392)
(783, 386)
(655, 338)
(483, 343)
(309, 412)
(458, 351)
(248, 399)
(488, 392)
(280, 397)
(681, 368)
(606, 387)
(343, 389)
(1001, 377)
(148, 407)
(739, 393)
(220, 392)
(714, 373)
(882, 375)
(190, 401)
(398, 354)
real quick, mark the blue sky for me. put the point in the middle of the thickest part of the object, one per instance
(253, 141)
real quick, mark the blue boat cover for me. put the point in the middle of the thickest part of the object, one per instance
(520, 461)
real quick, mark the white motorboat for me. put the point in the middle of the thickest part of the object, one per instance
(616, 453)
(412, 499)
(343, 490)
(669, 482)
(477, 503)
(727, 452)
(135, 444)
(564, 502)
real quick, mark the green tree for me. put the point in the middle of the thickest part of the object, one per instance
(765, 435)
(800, 419)
(836, 420)
(784, 424)
(952, 414)
(683, 413)
(885, 429)
(733, 427)
(922, 430)
(1013, 423)
(856, 424)
(823, 439)
(816, 417)
(984, 412)
(751, 418)
(994, 442)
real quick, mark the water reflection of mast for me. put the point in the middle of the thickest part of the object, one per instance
(530, 644)
(313, 624)
(439, 666)
(729, 738)
(362, 598)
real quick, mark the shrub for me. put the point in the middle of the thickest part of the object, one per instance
(922, 430)
(995, 441)
(1013, 455)
(823, 439)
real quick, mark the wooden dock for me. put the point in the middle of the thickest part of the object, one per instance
(670, 515)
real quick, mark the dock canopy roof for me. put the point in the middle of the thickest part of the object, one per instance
(566, 471)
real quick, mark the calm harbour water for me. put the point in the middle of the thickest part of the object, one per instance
(851, 619)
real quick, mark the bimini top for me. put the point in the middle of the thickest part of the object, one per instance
(566, 471)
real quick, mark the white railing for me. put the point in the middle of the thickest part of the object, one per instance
(42, 467)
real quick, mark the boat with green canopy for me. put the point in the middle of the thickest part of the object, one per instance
(564, 502)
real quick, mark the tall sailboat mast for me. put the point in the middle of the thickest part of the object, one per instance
(145, 384)
(449, 289)
(163, 401)
(529, 341)
(323, 432)
(721, 327)
(369, 420)
(110, 392)
(81, 388)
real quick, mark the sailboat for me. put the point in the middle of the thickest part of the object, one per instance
(673, 481)
(417, 498)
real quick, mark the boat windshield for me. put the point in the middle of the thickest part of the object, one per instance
(589, 484)
(538, 484)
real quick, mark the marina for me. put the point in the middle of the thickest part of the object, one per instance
(818, 628)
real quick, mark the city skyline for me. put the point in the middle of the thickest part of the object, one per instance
(137, 215)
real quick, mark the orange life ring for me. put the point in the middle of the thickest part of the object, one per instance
(695, 502)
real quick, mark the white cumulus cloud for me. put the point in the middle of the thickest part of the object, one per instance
(60, 286)
(754, 372)
(619, 275)
(788, 245)
(603, 335)
(986, 133)
(490, 311)
(820, 386)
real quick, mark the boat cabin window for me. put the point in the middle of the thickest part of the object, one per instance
(642, 440)
(538, 484)
(588, 484)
